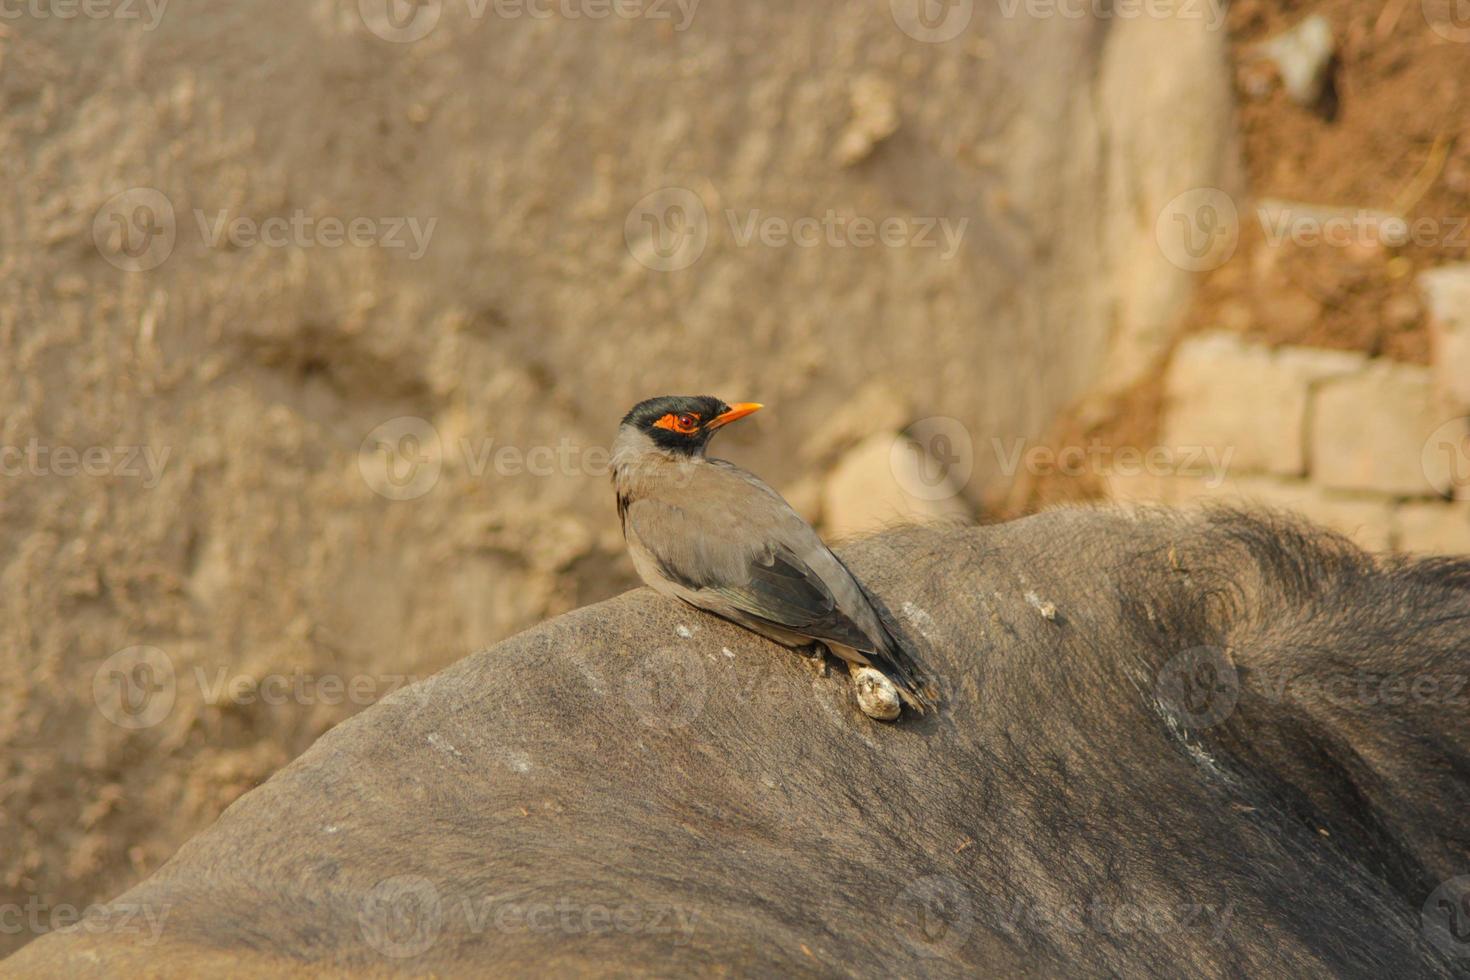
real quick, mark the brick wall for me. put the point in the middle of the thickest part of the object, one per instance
(1377, 449)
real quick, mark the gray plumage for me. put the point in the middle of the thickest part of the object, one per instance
(710, 533)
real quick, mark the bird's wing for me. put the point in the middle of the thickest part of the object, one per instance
(740, 543)
(783, 590)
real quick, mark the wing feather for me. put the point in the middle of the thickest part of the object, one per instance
(751, 561)
(783, 590)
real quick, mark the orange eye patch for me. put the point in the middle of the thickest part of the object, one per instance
(684, 423)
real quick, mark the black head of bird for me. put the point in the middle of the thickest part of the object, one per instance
(684, 424)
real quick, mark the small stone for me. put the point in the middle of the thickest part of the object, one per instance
(876, 695)
(1048, 610)
(1303, 56)
(874, 119)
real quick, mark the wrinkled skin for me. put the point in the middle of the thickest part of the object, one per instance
(639, 787)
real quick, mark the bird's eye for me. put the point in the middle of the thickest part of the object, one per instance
(685, 423)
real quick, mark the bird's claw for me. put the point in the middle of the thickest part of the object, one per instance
(816, 658)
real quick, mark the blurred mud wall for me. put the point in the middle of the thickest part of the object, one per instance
(510, 229)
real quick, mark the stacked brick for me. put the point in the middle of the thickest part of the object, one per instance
(1377, 449)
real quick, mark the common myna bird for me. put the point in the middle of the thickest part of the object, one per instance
(707, 532)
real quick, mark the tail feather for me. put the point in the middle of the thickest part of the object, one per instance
(914, 683)
(894, 657)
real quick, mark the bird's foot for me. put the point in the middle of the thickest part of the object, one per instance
(816, 657)
(876, 694)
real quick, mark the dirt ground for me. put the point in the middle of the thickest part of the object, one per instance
(1397, 140)
(1391, 136)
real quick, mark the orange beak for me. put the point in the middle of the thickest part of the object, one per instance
(737, 411)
